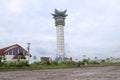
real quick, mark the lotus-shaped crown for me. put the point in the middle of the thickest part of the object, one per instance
(60, 13)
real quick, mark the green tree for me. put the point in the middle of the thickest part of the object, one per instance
(85, 61)
(111, 59)
(35, 58)
(4, 59)
(19, 58)
(0, 59)
(108, 59)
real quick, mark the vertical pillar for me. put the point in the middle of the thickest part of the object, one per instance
(28, 48)
(59, 17)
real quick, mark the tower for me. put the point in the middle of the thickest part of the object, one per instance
(59, 17)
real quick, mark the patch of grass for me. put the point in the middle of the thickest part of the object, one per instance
(103, 64)
(41, 65)
(54, 64)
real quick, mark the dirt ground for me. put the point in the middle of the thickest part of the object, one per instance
(84, 73)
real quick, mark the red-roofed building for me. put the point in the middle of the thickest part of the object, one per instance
(11, 53)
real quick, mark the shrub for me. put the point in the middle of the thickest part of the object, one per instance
(0, 59)
(16, 64)
(1, 64)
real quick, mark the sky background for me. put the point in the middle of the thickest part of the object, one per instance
(92, 26)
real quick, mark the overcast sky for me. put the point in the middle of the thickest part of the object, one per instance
(92, 26)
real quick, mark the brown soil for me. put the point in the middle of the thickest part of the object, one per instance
(84, 73)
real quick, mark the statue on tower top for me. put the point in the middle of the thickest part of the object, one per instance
(60, 13)
(59, 17)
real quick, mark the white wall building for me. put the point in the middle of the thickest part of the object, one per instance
(11, 53)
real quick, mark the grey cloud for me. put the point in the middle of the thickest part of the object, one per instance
(92, 27)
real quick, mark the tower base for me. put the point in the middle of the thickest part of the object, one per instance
(59, 59)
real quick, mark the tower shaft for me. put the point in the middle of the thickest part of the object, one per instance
(59, 17)
(60, 40)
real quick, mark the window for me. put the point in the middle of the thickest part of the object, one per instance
(7, 53)
(21, 51)
(15, 51)
(18, 50)
(10, 52)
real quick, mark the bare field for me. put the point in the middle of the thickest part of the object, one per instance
(84, 73)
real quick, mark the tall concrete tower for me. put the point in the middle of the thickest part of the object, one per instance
(59, 17)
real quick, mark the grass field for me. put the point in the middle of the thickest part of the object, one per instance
(40, 65)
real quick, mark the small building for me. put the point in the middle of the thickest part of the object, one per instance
(44, 59)
(11, 53)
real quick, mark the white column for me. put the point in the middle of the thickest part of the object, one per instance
(59, 17)
(60, 40)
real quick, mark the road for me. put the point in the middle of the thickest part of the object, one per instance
(83, 73)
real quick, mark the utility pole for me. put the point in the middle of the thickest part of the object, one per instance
(28, 48)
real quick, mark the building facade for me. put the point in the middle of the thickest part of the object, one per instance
(11, 53)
